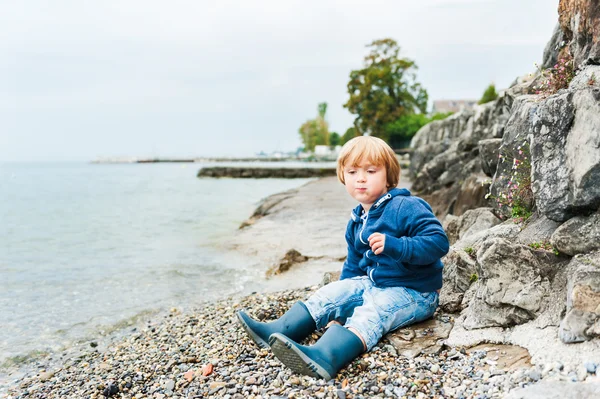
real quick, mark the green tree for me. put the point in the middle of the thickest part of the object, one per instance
(399, 133)
(315, 132)
(385, 89)
(351, 133)
(334, 139)
(489, 94)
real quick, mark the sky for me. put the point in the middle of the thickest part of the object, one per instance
(81, 80)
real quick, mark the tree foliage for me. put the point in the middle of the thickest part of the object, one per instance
(385, 89)
(315, 131)
(334, 139)
(400, 132)
(350, 134)
(489, 94)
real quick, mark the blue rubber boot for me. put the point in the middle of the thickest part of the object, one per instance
(296, 323)
(336, 348)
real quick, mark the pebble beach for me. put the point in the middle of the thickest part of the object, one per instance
(204, 353)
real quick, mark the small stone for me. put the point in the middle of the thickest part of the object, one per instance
(535, 375)
(45, 376)
(434, 368)
(217, 384)
(590, 367)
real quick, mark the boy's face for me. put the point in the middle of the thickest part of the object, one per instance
(365, 182)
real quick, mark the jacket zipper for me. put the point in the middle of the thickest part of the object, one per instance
(363, 228)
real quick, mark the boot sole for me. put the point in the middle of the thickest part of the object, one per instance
(257, 340)
(290, 355)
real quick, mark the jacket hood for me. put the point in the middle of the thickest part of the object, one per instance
(379, 204)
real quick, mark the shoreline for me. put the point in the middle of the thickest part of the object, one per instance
(166, 354)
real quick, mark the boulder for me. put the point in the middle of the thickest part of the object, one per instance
(460, 265)
(539, 229)
(583, 299)
(578, 235)
(513, 284)
(471, 222)
(565, 160)
(426, 337)
(580, 21)
(460, 271)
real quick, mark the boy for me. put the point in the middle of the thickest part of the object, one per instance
(391, 277)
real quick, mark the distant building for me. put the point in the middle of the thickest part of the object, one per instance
(444, 106)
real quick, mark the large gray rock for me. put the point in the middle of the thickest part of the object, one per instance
(471, 222)
(489, 150)
(565, 159)
(539, 229)
(460, 271)
(552, 48)
(460, 265)
(513, 285)
(578, 235)
(583, 298)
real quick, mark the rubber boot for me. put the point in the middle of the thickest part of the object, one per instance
(296, 323)
(336, 348)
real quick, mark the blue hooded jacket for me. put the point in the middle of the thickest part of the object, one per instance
(414, 243)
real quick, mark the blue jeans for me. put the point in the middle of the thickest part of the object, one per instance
(371, 311)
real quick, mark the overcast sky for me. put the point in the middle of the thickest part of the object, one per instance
(87, 79)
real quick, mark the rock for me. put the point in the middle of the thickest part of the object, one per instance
(45, 376)
(489, 150)
(471, 222)
(539, 229)
(428, 338)
(460, 271)
(574, 326)
(330, 277)
(265, 207)
(583, 299)
(513, 286)
(291, 258)
(579, 21)
(552, 48)
(555, 390)
(564, 159)
(578, 235)
(583, 287)
(503, 357)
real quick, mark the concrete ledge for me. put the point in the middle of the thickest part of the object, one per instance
(259, 173)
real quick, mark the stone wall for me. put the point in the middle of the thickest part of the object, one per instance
(541, 271)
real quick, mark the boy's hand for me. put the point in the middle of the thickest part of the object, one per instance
(377, 242)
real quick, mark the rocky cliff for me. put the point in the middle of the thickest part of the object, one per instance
(517, 185)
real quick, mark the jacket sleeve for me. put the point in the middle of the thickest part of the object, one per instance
(351, 264)
(425, 241)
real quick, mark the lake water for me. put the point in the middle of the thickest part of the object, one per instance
(85, 247)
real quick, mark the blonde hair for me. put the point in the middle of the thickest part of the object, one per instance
(373, 150)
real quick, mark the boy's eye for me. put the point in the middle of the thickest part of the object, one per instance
(351, 172)
(371, 171)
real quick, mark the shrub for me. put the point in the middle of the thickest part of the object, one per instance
(489, 94)
(556, 78)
